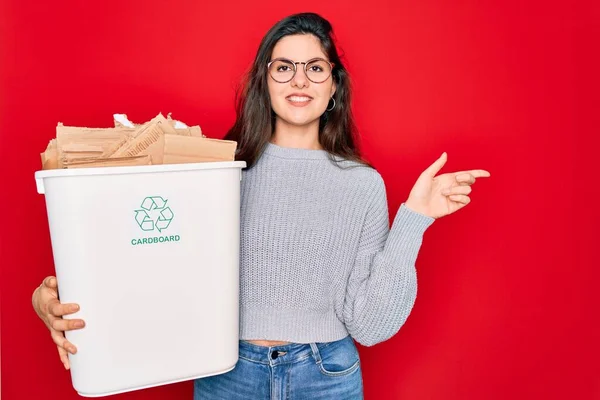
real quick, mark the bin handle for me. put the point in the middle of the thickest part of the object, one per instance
(39, 183)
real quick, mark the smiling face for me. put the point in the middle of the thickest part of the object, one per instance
(299, 102)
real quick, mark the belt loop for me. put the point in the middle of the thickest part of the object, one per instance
(315, 352)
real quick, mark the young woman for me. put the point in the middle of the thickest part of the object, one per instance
(319, 265)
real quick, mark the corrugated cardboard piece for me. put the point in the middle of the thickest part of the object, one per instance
(158, 141)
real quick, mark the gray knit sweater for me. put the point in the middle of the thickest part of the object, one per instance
(318, 258)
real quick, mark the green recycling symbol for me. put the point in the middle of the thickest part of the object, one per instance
(154, 214)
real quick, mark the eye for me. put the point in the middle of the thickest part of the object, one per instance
(315, 68)
(283, 68)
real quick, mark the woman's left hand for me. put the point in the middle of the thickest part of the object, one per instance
(438, 196)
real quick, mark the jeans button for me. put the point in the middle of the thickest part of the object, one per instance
(274, 354)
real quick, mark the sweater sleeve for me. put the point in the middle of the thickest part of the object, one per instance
(382, 286)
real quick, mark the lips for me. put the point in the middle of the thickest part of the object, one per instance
(298, 99)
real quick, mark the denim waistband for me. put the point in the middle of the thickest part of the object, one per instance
(282, 354)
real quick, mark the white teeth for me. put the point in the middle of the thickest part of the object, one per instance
(298, 99)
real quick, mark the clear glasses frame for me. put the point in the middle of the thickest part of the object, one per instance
(304, 65)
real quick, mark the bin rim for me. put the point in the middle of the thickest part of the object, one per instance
(137, 169)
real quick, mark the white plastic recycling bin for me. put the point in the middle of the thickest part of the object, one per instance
(151, 255)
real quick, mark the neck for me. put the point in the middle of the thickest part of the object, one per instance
(298, 137)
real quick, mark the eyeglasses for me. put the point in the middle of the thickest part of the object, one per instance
(317, 70)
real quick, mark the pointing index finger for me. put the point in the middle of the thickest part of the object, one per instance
(476, 173)
(480, 173)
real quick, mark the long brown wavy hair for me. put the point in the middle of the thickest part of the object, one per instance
(255, 119)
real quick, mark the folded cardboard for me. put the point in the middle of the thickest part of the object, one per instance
(158, 141)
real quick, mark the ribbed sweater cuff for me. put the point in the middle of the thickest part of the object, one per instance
(406, 234)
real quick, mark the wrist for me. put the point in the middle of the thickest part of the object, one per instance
(411, 206)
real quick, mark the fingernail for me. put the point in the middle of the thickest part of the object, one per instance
(75, 308)
(79, 324)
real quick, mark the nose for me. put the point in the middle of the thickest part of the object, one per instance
(300, 80)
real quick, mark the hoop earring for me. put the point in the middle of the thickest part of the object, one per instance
(332, 107)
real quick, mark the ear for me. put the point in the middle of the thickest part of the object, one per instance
(333, 89)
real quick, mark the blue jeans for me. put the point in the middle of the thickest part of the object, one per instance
(290, 372)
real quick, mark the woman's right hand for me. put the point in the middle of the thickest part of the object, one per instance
(51, 311)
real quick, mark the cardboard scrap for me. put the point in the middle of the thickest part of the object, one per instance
(110, 162)
(186, 149)
(121, 121)
(158, 141)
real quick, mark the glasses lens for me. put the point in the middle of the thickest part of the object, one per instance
(318, 71)
(281, 70)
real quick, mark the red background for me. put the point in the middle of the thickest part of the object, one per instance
(507, 305)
